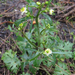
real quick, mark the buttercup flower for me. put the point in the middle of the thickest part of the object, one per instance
(51, 11)
(48, 51)
(23, 10)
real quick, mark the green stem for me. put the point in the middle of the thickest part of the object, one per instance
(29, 40)
(38, 32)
(42, 31)
(38, 27)
(46, 70)
(34, 57)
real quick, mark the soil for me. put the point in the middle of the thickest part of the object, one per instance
(10, 10)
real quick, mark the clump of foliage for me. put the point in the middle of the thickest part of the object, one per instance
(39, 46)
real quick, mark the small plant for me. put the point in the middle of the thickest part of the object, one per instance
(67, 18)
(39, 46)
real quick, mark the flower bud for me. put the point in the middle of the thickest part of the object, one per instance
(46, 2)
(47, 9)
(21, 24)
(38, 3)
(48, 26)
(19, 28)
(43, 42)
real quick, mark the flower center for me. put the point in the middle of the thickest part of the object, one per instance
(47, 51)
(23, 9)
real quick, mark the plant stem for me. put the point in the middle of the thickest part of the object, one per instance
(38, 27)
(42, 31)
(29, 40)
(38, 32)
(46, 70)
(34, 57)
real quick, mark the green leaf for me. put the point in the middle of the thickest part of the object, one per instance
(11, 61)
(53, 29)
(24, 24)
(29, 1)
(30, 51)
(74, 37)
(19, 38)
(74, 54)
(48, 18)
(37, 62)
(32, 4)
(35, 56)
(43, 21)
(65, 48)
(25, 74)
(33, 70)
(29, 35)
(24, 55)
(68, 46)
(17, 22)
(61, 69)
(23, 64)
(9, 27)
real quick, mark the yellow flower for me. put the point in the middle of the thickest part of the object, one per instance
(48, 51)
(51, 11)
(23, 10)
(21, 24)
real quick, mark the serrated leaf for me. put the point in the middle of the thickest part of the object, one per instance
(11, 61)
(37, 62)
(48, 18)
(65, 48)
(23, 64)
(61, 69)
(24, 55)
(68, 46)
